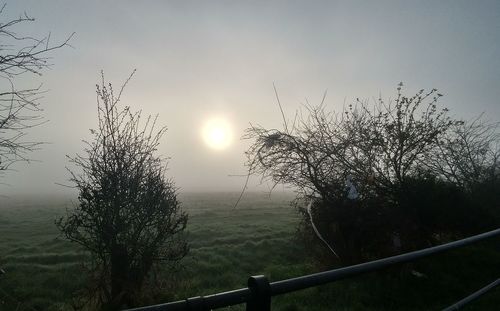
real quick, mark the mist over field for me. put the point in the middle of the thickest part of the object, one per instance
(154, 151)
(197, 61)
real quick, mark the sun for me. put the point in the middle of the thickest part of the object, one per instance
(217, 133)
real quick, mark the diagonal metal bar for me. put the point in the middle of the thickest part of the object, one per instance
(473, 296)
(303, 282)
(214, 301)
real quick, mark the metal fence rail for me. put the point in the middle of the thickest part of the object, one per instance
(258, 294)
(473, 296)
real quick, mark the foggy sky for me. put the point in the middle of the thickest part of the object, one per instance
(197, 59)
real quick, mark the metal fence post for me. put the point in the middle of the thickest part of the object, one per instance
(196, 304)
(261, 294)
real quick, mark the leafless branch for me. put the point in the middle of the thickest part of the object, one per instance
(20, 107)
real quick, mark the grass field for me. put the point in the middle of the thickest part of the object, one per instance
(227, 245)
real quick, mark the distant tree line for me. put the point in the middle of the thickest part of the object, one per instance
(422, 176)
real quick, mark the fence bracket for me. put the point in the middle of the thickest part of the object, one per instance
(261, 294)
(196, 303)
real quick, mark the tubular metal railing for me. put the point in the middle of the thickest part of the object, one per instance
(257, 295)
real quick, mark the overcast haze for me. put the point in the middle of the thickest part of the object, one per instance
(198, 59)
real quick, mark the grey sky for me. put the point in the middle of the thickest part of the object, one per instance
(196, 59)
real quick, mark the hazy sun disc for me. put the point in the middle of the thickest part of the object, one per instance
(217, 134)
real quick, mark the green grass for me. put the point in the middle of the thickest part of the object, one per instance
(227, 245)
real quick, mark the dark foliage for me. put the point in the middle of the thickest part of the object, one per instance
(421, 175)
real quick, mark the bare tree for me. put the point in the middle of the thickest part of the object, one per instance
(378, 146)
(20, 56)
(468, 155)
(128, 216)
(378, 149)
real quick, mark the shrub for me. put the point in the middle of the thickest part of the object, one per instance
(128, 216)
(392, 153)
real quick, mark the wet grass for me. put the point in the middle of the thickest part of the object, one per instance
(227, 245)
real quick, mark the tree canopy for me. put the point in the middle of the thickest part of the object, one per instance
(387, 151)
